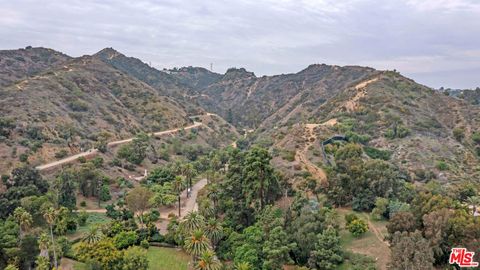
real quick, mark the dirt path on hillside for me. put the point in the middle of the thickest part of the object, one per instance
(92, 152)
(352, 104)
(301, 155)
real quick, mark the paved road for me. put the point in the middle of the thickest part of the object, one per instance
(92, 152)
(188, 204)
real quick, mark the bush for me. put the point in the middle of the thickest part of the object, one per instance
(61, 154)
(23, 157)
(78, 106)
(375, 153)
(350, 217)
(82, 218)
(357, 227)
(144, 244)
(125, 239)
(83, 204)
(442, 165)
(82, 159)
(458, 134)
(476, 137)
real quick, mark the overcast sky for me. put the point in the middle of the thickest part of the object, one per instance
(436, 42)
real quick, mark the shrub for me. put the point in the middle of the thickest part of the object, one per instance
(357, 227)
(476, 137)
(350, 217)
(125, 239)
(82, 218)
(23, 157)
(442, 165)
(144, 244)
(82, 159)
(78, 106)
(377, 153)
(61, 154)
(458, 134)
(83, 204)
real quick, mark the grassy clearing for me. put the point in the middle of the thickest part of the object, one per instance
(94, 219)
(368, 244)
(167, 259)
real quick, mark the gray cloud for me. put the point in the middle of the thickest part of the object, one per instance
(436, 42)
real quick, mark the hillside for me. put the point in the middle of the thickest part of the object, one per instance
(67, 108)
(163, 82)
(248, 101)
(23, 63)
(394, 115)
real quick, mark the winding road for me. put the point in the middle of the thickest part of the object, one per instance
(92, 152)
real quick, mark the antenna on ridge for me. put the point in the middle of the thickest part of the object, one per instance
(211, 66)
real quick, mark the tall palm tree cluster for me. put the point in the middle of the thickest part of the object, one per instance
(200, 239)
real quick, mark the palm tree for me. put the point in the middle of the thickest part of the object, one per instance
(214, 231)
(243, 266)
(43, 245)
(197, 243)
(207, 209)
(213, 192)
(193, 221)
(178, 185)
(93, 236)
(189, 172)
(50, 216)
(474, 201)
(208, 261)
(24, 220)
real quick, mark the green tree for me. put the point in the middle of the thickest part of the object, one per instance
(138, 201)
(357, 227)
(381, 207)
(103, 253)
(208, 261)
(214, 231)
(43, 243)
(276, 249)
(66, 189)
(125, 239)
(328, 253)
(402, 222)
(136, 151)
(197, 243)
(261, 182)
(42, 263)
(410, 251)
(94, 235)
(178, 186)
(23, 219)
(193, 221)
(50, 217)
(135, 258)
(243, 266)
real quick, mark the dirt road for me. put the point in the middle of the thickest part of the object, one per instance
(92, 152)
(301, 155)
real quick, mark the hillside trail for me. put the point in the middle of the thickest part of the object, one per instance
(310, 139)
(92, 152)
(361, 89)
(375, 231)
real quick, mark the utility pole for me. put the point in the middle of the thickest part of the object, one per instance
(211, 66)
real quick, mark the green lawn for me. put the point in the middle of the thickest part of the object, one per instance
(94, 219)
(167, 259)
